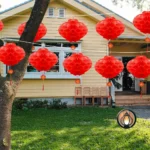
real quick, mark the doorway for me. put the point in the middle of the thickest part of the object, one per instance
(128, 80)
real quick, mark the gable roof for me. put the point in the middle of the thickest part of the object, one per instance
(93, 9)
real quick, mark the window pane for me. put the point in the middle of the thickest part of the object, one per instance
(67, 54)
(61, 12)
(31, 69)
(69, 45)
(51, 12)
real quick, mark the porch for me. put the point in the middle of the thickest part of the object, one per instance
(132, 100)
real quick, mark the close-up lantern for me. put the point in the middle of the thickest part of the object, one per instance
(42, 30)
(73, 31)
(126, 118)
(77, 64)
(140, 68)
(43, 60)
(110, 28)
(10, 55)
(1, 25)
(142, 23)
(109, 67)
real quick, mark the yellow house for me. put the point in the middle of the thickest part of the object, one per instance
(60, 83)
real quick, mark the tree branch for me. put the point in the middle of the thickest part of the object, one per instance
(28, 35)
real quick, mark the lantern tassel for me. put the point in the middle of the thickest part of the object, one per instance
(43, 86)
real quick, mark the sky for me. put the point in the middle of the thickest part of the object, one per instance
(126, 11)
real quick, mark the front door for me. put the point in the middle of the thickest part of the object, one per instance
(128, 78)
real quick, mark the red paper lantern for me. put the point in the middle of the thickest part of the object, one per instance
(1, 25)
(139, 66)
(40, 33)
(77, 64)
(10, 54)
(109, 67)
(43, 59)
(73, 30)
(142, 22)
(110, 28)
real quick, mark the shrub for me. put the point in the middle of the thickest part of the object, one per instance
(57, 104)
(19, 103)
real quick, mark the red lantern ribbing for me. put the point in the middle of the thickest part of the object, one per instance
(109, 67)
(10, 54)
(142, 22)
(43, 60)
(1, 25)
(77, 64)
(139, 67)
(73, 30)
(40, 33)
(110, 28)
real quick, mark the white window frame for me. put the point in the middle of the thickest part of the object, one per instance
(49, 12)
(62, 74)
(59, 12)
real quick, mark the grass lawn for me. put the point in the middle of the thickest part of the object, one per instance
(89, 128)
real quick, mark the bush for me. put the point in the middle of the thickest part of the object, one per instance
(36, 104)
(25, 104)
(19, 103)
(57, 104)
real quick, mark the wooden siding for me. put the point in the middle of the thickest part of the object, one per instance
(93, 45)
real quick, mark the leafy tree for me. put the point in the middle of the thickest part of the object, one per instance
(7, 92)
(140, 4)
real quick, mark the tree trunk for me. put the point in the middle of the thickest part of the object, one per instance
(7, 91)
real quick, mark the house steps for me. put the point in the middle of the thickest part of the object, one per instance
(132, 100)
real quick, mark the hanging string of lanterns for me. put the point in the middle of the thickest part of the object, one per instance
(43, 60)
(77, 64)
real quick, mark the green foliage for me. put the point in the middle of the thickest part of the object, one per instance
(84, 128)
(57, 104)
(19, 103)
(139, 4)
(25, 104)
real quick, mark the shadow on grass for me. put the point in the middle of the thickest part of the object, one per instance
(90, 128)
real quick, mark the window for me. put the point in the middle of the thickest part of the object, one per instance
(51, 12)
(61, 13)
(62, 50)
